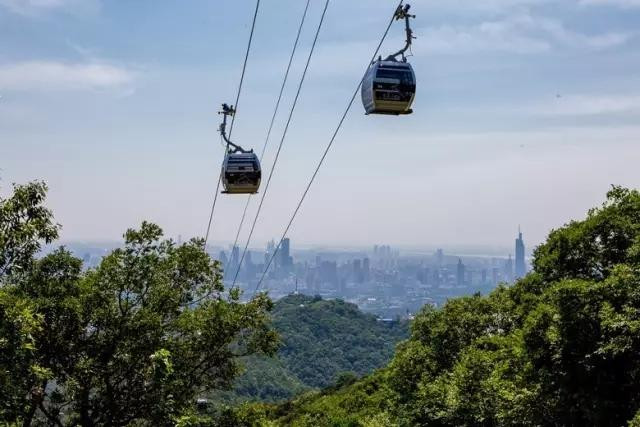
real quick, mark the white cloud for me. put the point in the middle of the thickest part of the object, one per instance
(519, 33)
(619, 3)
(50, 75)
(475, 6)
(39, 7)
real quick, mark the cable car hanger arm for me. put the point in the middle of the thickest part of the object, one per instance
(403, 13)
(228, 110)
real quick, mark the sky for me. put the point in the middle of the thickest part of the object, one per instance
(526, 113)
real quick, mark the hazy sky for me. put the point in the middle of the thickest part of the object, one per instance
(526, 112)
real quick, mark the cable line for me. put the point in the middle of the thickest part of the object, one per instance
(324, 155)
(244, 66)
(244, 69)
(284, 135)
(273, 117)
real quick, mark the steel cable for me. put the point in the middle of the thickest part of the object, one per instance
(324, 155)
(284, 135)
(233, 118)
(273, 118)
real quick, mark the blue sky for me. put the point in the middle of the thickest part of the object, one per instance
(527, 111)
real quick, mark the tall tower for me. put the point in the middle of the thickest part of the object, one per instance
(285, 254)
(439, 257)
(521, 268)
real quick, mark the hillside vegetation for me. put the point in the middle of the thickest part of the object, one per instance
(561, 347)
(320, 339)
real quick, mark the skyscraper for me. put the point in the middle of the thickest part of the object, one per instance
(521, 268)
(460, 275)
(366, 267)
(508, 270)
(248, 264)
(234, 261)
(286, 261)
(284, 251)
(358, 275)
(223, 258)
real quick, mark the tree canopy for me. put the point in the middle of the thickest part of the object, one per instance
(134, 341)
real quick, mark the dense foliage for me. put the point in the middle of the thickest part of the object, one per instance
(561, 347)
(137, 339)
(321, 339)
(134, 341)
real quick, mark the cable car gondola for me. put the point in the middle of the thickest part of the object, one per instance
(241, 172)
(389, 86)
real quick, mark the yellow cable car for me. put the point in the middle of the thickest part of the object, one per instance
(389, 86)
(241, 172)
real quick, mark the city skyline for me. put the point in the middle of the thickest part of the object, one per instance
(461, 249)
(382, 279)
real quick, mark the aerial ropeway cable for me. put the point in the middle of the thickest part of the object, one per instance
(244, 69)
(275, 113)
(400, 13)
(282, 139)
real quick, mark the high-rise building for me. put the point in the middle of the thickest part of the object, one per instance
(343, 288)
(469, 277)
(508, 270)
(234, 260)
(424, 275)
(521, 268)
(484, 276)
(286, 247)
(460, 275)
(271, 246)
(436, 277)
(366, 269)
(329, 273)
(248, 264)
(358, 275)
(439, 257)
(286, 261)
(222, 257)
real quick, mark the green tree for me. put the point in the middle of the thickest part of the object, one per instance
(561, 347)
(24, 225)
(135, 340)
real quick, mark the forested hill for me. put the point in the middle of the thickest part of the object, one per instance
(561, 347)
(320, 340)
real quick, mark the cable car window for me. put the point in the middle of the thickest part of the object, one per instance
(405, 77)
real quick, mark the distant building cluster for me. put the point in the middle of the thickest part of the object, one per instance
(384, 280)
